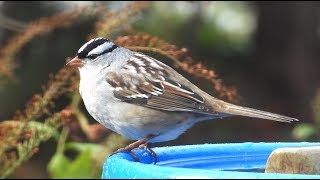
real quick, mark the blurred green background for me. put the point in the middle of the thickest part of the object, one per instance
(268, 50)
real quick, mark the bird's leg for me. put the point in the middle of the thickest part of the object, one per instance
(147, 146)
(153, 154)
(134, 145)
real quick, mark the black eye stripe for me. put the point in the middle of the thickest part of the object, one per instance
(92, 56)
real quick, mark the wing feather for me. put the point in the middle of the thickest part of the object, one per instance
(154, 87)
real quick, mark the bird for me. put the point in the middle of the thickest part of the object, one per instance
(143, 99)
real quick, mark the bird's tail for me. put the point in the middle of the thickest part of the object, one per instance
(232, 109)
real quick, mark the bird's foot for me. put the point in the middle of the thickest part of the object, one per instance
(147, 147)
(137, 144)
(128, 150)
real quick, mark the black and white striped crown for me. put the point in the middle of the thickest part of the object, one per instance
(96, 47)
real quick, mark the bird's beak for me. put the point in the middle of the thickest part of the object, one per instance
(75, 62)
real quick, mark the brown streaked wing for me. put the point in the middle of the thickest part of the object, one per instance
(153, 87)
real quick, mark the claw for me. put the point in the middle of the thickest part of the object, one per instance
(137, 144)
(153, 154)
(147, 147)
(136, 158)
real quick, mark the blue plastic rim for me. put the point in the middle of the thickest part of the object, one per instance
(231, 160)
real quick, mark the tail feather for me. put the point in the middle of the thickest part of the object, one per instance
(244, 111)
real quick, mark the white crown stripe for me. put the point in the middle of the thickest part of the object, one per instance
(101, 48)
(85, 45)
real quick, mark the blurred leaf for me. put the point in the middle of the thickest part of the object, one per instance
(303, 131)
(57, 166)
(227, 26)
(82, 166)
(94, 148)
(180, 10)
(315, 105)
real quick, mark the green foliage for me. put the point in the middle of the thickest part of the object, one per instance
(88, 161)
(315, 105)
(83, 166)
(225, 27)
(14, 151)
(304, 131)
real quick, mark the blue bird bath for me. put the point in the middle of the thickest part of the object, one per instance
(231, 160)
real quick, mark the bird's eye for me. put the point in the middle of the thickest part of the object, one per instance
(92, 56)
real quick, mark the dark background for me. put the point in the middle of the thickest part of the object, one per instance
(274, 66)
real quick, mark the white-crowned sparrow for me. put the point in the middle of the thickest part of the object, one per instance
(143, 99)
